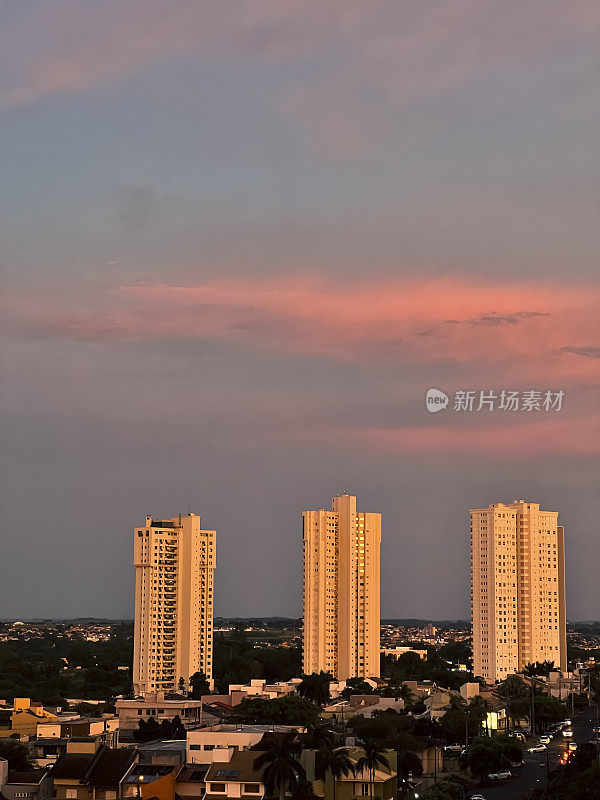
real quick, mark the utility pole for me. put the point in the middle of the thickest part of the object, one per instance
(532, 715)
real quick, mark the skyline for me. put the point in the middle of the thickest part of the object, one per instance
(238, 251)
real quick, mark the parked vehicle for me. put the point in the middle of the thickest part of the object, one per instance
(500, 776)
(537, 748)
(544, 740)
(568, 733)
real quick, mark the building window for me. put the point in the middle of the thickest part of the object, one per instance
(252, 788)
(71, 794)
(217, 787)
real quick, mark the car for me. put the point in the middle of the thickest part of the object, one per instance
(476, 797)
(544, 740)
(567, 733)
(537, 748)
(572, 747)
(500, 776)
(519, 736)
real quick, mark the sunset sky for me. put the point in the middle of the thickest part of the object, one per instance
(242, 240)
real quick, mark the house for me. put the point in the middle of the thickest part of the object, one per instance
(150, 781)
(163, 753)
(25, 717)
(235, 779)
(101, 776)
(190, 783)
(382, 785)
(106, 728)
(34, 784)
(360, 704)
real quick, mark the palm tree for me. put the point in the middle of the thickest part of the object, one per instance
(405, 694)
(406, 760)
(282, 770)
(337, 762)
(303, 790)
(374, 756)
(319, 735)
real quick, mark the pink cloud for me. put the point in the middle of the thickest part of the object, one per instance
(537, 330)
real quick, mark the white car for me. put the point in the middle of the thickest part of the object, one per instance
(477, 797)
(568, 733)
(537, 748)
(544, 740)
(500, 776)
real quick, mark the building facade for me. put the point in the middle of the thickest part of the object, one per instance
(341, 615)
(174, 565)
(517, 589)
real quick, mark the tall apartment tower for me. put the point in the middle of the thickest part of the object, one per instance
(174, 578)
(341, 590)
(517, 589)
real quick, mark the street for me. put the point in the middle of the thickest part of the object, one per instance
(533, 774)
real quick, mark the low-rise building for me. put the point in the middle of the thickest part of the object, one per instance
(33, 784)
(93, 777)
(364, 705)
(396, 652)
(219, 742)
(160, 706)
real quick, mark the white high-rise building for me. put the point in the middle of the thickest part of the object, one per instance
(174, 579)
(517, 589)
(341, 590)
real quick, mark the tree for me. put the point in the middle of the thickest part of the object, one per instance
(199, 685)
(454, 787)
(356, 686)
(281, 770)
(335, 762)
(287, 710)
(181, 685)
(16, 754)
(315, 687)
(303, 790)
(374, 757)
(484, 756)
(179, 731)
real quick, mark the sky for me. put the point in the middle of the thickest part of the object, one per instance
(242, 241)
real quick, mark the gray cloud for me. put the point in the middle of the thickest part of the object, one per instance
(136, 206)
(586, 350)
(493, 318)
